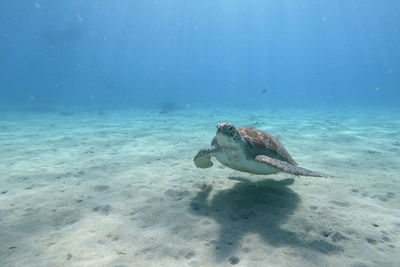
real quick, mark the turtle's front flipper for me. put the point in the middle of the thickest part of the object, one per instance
(203, 158)
(287, 167)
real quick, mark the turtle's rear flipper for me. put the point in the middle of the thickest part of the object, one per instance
(203, 159)
(287, 167)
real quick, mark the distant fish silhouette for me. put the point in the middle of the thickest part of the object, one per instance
(264, 91)
(167, 107)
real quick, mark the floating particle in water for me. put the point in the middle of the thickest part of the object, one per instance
(37, 5)
(323, 19)
(377, 89)
(264, 91)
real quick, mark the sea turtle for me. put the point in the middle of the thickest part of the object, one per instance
(249, 150)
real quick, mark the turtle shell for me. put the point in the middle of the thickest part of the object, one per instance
(262, 143)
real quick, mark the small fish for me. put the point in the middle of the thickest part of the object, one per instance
(264, 91)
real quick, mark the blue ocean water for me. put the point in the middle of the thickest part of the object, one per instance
(125, 53)
(105, 104)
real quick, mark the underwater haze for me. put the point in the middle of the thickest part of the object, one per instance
(108, 113)
(307, 53)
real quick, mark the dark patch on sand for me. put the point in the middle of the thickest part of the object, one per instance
(103, 209)
(101, 188)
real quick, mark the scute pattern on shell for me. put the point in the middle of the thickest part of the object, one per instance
(261, 143)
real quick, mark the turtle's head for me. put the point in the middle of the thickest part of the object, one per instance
(227, 133)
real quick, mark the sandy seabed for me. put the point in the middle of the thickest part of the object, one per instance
(119, 188)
